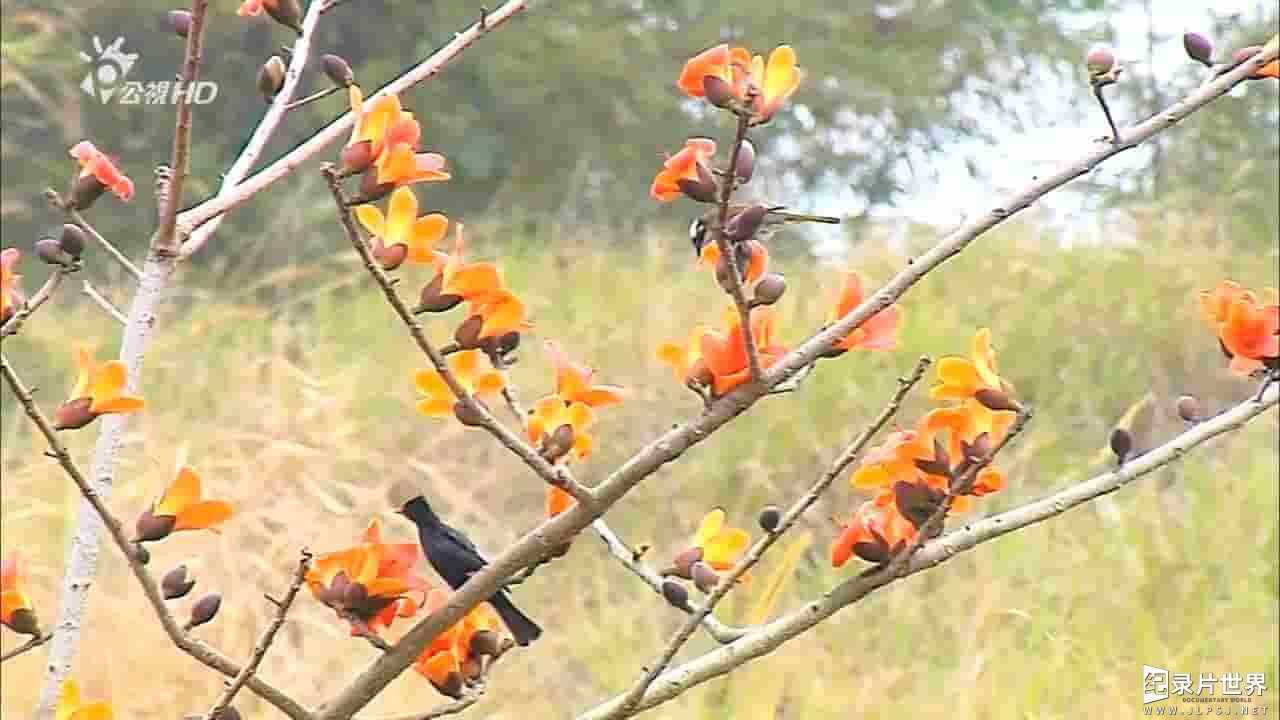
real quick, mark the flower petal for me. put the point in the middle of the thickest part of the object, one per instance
(201, 515)
(184, 491)
(372, 220)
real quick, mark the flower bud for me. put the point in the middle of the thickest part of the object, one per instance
(72, 240)
(1100, 61)
(337, 69)
(676, 593)
(432, 300)
(718, 91)
(770, 518)
(85, 191)
(391, 257)
(558, 443)
(74, 415)
(1121, 444)
(370, 189)
(701, 190)
(1198, 48)
(769, 289)
(704, 577)
(746, 165)
(356, 158)
(996, 400)
(23, 621)
(355, 596)
(271, 77)
(51, 252)
(141, 553)
(467, 335)
(501, 345)
(179, 21)
(453, 685)
(487, 643)
(1189, 408)
(177, 583)
(469, 415)
(286, 12)
(205, 609)
(685, 559)
(744, 224)
(150, 528)
(700, 374)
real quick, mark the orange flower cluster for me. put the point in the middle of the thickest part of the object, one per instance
(1248, 328)
(98, 173)
(734, 79)
(16, 610)
(725, 353)
(181, 508)
(10, 297)
(368, 585)
(913, 471)
(457, 657)
(715, 548)
(493, 309)
(383, 146)
(99, 390)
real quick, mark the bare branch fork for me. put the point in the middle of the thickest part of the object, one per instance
(769, 637)
(669, 446)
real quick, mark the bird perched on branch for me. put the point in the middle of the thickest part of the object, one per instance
(746, 221)
(456, 558)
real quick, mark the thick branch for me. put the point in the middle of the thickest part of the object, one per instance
(196, 216)
(544, 539)
(166, 243)
(769, 637)
(180, 637)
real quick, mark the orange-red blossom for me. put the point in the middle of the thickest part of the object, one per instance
(733, 74)
(16, 610)
(481, 285)
(10, 296)
(369, 584)
(691, 164)
(873, 532)
(99, 390)
(385, 137)
(725, 353)
(180, 507)
(880, 332)
(95, 164)
(456, 656)
(1248, 327)
(401, 226)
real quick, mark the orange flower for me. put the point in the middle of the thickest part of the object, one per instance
(880, 332)
(683, 359)
(721, 62)
(70, 707)
(1270, 70)
(482, 286)
(16, 611)
(573, 381)
(10, 297)
(453, 659)
(960, 378)
(401, 165)
(99, 390)
(546, 425)
(373, 124)
(874, 532)
(557, 501)
(94, 163)
(368, 584)
(721, 546)
(777, 80)
(757, 265)
(385, 136)
(726, 353)
(1215, 304)
(181, 502)
(1248, 329)
(691, 164)
(402, 226)
(471, 369)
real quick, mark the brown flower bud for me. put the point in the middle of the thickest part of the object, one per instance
(746, 165)
(453, 685)
(74, 415)
(177, 583)
(704, 577)
(355, 596)
(558, 443)
(487, 643)
(391, 257)
(718, 92)
(685, 559)
(271, 77)
(179, 22)
(432, 300)
(72, 240)
(676, 593)
(24, 622)
(1198, 48)
(356, 158)
(1188, 408)
(85, 191)
(1121, 444)
(205, 609)
(469, 415)
(996, 400)
(770, 518)
(703, 189)
(150, 528)
(286, 12)
(337, 69)
(501, 345)
(370, 189)
(467, 335)
(1101, 61)
(48, 250)
(744, 224)
(769, 289)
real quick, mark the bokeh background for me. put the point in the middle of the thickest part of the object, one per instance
(279, 373)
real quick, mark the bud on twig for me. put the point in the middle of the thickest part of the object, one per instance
(718, 92)
(1121, 444)
(744, 224)
(676, 593)
(205, 609)
(701, 190)
(149, 528)
(1189, 408)
(337, 69)
(769, 289)
(271, 77)
(356, 158)
(286, 12)
(746, 165)
(685, 559)
(1198, 48)
(51, 253)
(467, 335)
(704, 577)
(85, 190)
(468, 414)
(177, 583)
(179, 21)
(1101, 62)
(996, 400)
(770, 518)
(72, 240)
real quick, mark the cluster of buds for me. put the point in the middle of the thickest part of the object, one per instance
(1200, 49)
(65, 250)
(714, 549)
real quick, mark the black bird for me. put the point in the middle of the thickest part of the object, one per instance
(456, 558)
(702, 229)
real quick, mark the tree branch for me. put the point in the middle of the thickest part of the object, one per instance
(166, 243)
(101, 301)
(31, 644)
(33, 303)
(769, 637)
(544, 539)
(728, 249)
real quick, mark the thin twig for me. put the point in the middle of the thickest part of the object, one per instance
(92, 293)
(34, 642)
(264, 641)
(317, 95)
(235, 194)
(452, 708)
(728, 251)
(166, 243)
(761, 546)
(33, 303)
(773, 635)
(546, 470)
(192, 646)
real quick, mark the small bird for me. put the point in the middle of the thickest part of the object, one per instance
(456, 558)
(702, 229)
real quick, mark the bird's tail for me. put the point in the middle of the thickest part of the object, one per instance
(801, 217)
(522, 628)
